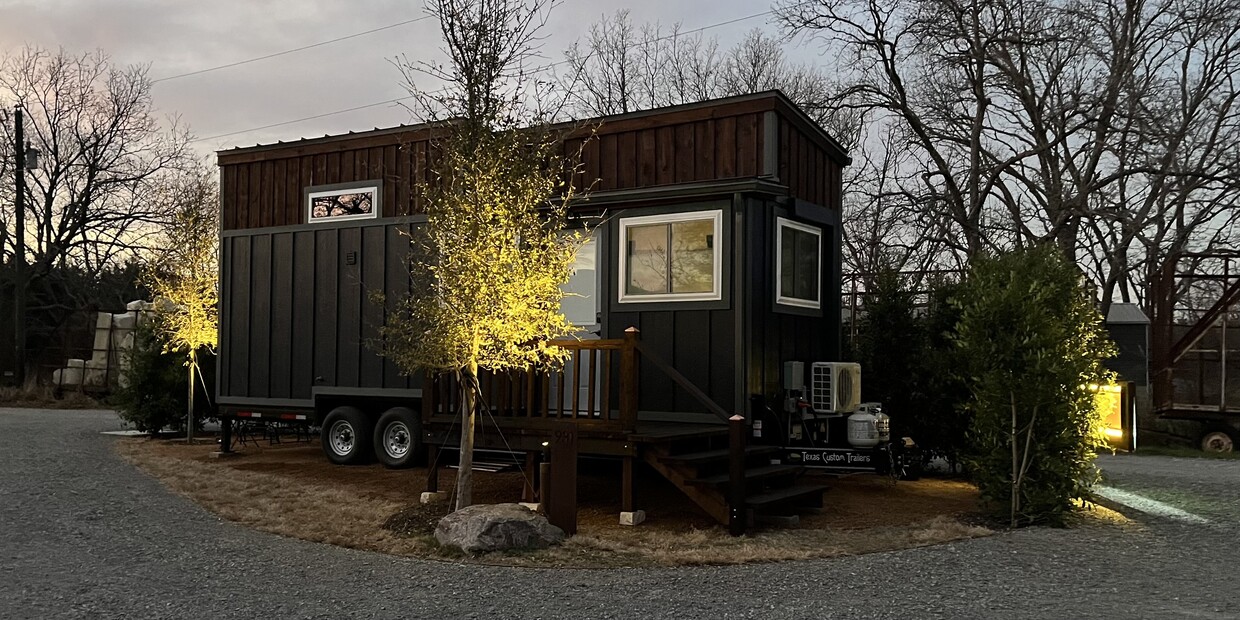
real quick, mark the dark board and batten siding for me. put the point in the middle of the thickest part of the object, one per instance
(695, 338)
(298, 314)
(776, 335)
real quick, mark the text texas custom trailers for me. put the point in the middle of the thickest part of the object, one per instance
(715, 260)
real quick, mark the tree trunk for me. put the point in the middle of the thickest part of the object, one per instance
(189, 407)
(468, 380)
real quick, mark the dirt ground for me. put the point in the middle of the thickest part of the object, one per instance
(292, 490)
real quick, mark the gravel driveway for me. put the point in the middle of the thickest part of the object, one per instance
(84, 535)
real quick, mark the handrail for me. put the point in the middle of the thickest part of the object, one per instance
(597, 344)
(683, 382)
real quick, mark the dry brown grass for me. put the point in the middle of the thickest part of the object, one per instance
(294, 491)
(44, 398)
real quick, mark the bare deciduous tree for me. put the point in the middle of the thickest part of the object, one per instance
(619, 67)
(102, 149)
(89, 207)
(1102, 127)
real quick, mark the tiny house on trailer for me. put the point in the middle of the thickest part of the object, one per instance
(714, 259)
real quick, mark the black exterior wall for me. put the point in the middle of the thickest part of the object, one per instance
(299, 318)
(298, 322)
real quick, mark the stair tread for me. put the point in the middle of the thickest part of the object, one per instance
(490, 467)
(715, 455)
(753, 473)
(779, 495)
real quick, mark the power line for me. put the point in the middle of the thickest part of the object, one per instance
(294, 50)
(680, 33)
(399, 99)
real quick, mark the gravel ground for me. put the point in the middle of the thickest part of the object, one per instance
(84, 535)
(1207, 487)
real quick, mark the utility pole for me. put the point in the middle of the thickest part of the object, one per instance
(19, 254)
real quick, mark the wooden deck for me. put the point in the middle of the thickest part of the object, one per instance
(535, 411)
(593, 441)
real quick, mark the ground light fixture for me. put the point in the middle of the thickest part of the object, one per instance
(1115, 406)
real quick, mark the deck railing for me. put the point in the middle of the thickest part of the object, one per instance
(581, 390)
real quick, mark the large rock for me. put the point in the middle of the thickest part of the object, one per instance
(494, 527)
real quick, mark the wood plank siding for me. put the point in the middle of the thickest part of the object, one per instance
(264, 186)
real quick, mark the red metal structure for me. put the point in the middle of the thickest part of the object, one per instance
(1195, 334)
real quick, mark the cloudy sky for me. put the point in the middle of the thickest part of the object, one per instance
(224, 107)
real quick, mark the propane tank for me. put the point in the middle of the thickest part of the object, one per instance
(882, 422)
(863, 429)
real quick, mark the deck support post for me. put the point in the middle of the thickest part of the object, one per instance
(562, 503)
(628, 515)
(432, 468)
(628, 380)
(737, 515)
(226, 436)
(626, 485)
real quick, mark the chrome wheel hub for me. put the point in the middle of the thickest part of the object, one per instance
(396, 440)
(342, 438)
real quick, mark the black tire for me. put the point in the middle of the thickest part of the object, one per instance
(1218, 439)
(346, 436)
(398, 438)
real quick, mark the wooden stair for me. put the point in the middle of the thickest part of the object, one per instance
(701, 472)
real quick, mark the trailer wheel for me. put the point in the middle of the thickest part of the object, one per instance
(346, 436)
(1218, 440)
(398, 438)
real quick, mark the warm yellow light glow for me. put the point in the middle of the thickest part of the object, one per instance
(1109, 400)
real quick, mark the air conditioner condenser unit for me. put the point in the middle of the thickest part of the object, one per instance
(835, 387)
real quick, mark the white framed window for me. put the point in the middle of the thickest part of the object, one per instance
(798, 264)
(672, 257)
(342, 201)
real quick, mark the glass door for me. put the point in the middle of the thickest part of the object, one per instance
(581, 306)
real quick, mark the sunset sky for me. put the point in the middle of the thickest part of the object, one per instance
(178, 37)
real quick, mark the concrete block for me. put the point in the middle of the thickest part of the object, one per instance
(72, 374)
(632, 518)
(434, 498)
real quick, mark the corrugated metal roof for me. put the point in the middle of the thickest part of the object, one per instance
(1126, 314)
(837, 150)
